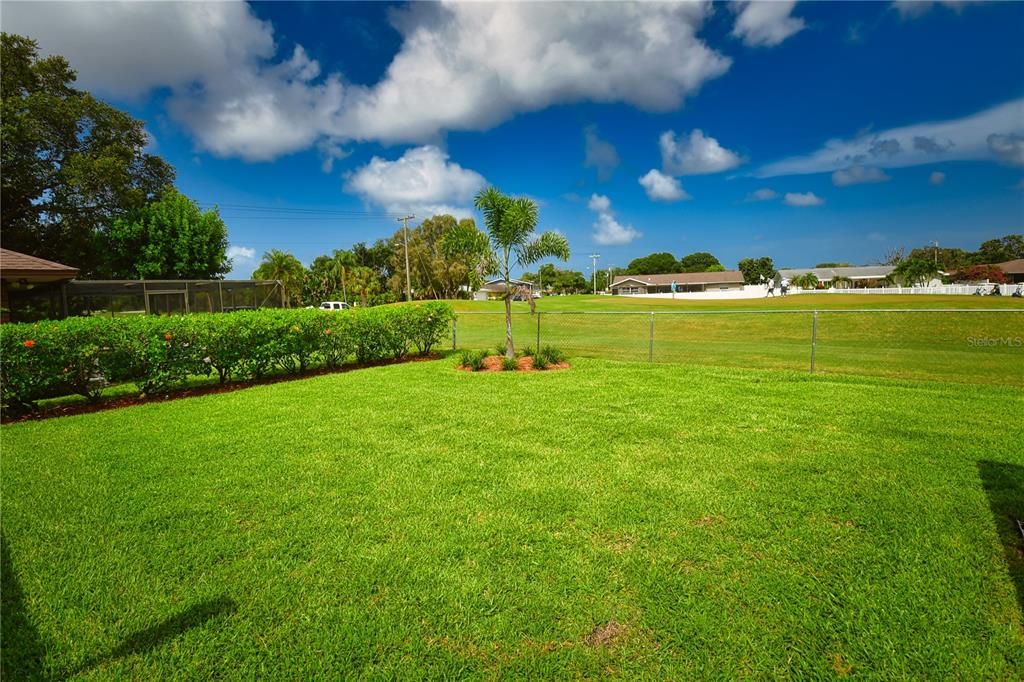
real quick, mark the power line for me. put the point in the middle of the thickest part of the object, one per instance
(297, 210)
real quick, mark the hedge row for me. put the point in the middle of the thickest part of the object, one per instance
(83, 355)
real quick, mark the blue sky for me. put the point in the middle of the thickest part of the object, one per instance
(807, 132)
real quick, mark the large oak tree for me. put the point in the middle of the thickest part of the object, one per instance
(71, 163)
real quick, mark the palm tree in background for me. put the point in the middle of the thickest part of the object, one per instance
(511, 222)
(364, 283)
(285, 268)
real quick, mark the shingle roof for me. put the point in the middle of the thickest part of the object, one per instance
(726, 277)
(1012, 267)
(828, 274)
(14, 264)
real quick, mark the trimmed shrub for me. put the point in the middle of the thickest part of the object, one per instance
(509, 364)
(83, 355)
(429, 323)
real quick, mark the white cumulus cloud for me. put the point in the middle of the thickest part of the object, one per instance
(461, 66)
(1009, 149)
(986, 135)
(243, 259)
(912, 9)
(607, 230)
(763, 194)
(241, 252)
(695, 154)
(765, 24)
(803, 199)
(858, 175)
(661, 187)
(422, 181)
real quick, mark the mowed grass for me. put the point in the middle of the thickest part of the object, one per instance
(616, 519)
(981, 342)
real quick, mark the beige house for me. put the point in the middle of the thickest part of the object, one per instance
(634, 285)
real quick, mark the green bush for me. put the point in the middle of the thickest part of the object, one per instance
(473, 359)
(428, 324)
(83, 355)
(551, 355)
(526, 352)
(499, 348)
(540, 361)
(509, 364)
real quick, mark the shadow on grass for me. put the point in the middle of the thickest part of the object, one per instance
(1004, 486)
(21, 650)
(144, 640)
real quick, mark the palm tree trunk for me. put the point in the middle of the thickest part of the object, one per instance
(510, 349)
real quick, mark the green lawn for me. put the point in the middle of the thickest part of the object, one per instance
(982, 344)
(631, 519)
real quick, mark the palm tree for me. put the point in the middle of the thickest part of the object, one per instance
(511, 222)
(364, 283)
(285, 268)
(806, 281)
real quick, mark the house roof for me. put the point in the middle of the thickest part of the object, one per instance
(14, 265)
(1012, 267)
(828, 274)
(726, 277)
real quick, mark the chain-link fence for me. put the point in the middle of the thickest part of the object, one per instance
(973, 345)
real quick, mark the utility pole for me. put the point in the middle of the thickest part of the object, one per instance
(936, 245)
(593, 258)
(405, 232)
(610, 268)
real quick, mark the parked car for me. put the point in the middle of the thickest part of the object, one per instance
(334, 305)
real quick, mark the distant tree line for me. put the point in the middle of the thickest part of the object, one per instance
(926, 263)
(448, 258)
(665, 263)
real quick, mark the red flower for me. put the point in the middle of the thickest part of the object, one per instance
(167, 336)
(29, 343)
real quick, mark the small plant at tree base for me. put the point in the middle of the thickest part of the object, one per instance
(551, 355)
(509, 364)
(476, 360)
(539, 361)
(526, 352)
(466, 358)
(499, 348)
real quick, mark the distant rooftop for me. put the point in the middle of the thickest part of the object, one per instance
(726, 277)
(856, 272)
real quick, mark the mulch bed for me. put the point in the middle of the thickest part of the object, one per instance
(492, 363)
(130, 400)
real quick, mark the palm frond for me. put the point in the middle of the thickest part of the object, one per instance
(548, 245)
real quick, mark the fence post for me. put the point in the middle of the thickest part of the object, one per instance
(455, 332)
(814, 337)
(650, 341)
(537, 349)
